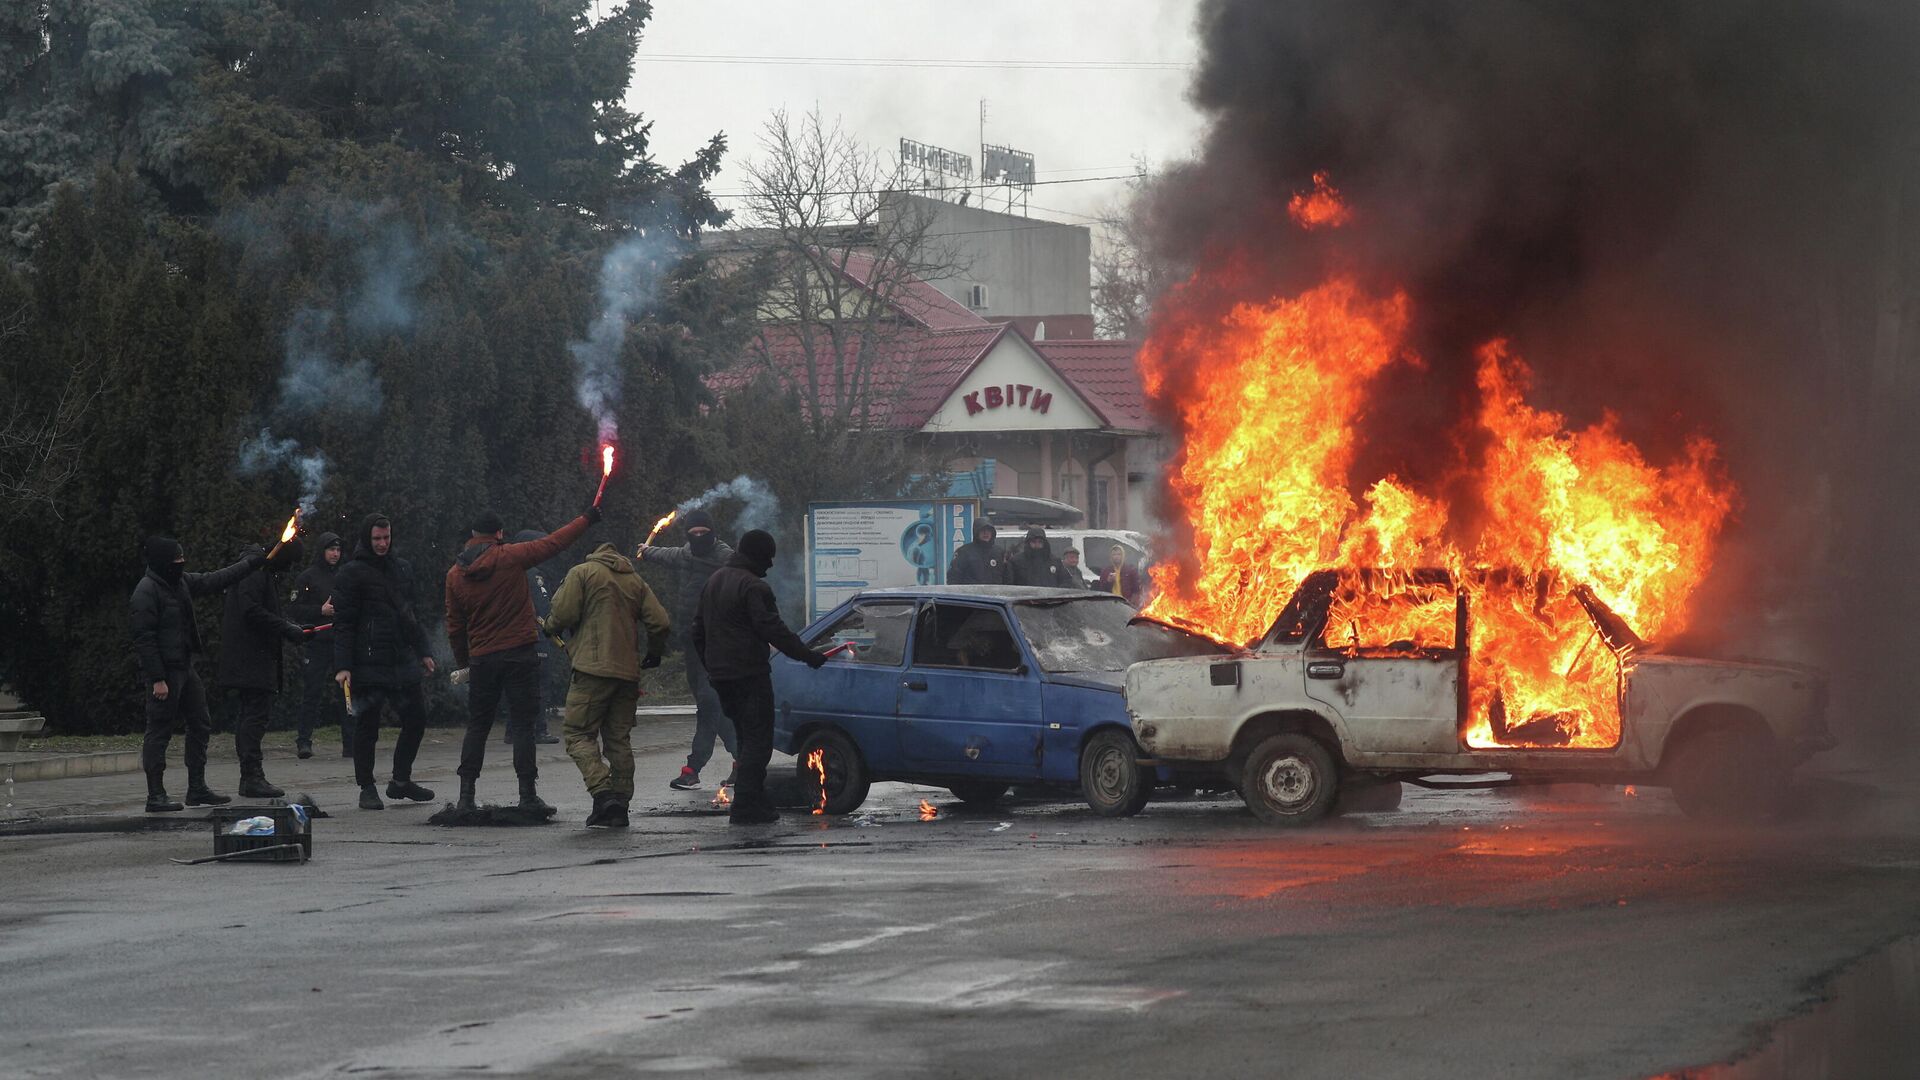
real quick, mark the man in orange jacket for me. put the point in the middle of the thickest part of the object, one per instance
(491, 626)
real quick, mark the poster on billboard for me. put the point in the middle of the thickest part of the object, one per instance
(874, 545)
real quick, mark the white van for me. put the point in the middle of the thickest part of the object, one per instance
(1093, 545)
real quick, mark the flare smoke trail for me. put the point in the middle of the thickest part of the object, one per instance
(630, 276)
(760, 509)
(264, 453)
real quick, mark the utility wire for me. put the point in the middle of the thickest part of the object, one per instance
(914, 62)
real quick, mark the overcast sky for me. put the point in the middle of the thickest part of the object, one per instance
(1054, 100)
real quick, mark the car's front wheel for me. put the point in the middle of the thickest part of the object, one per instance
(846, 783)
(1111, 776)
(978, 792)
(1290, 780)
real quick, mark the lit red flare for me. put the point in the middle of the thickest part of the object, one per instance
(817, 761)
(606, 470)
(288, 533)
(928, 811)
(661, 524)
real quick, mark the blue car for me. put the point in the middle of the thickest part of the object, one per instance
(974, 688)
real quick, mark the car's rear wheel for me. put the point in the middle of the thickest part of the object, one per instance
(1290, 780)
(847, 783)
(1111, 776)
(978, 792)
(1728, 776)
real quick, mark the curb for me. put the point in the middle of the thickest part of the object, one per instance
(69, 766)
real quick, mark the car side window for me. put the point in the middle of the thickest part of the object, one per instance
(876, 629)
(953, 635)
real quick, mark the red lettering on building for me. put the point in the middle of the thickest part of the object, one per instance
(1012, 395)
(1041, 399)
(973, 403)
(994, 400)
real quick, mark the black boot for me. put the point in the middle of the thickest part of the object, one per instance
(530, 799)
(407, 789)
(370, 798)
(616, 813)
(466, 794)
(303, 750)
(597, 818)
(253, 785)
(158, 801)
(199, 794)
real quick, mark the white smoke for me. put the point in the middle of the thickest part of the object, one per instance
(312, 381)
(759, 508)
(264, 453)
(630, 276)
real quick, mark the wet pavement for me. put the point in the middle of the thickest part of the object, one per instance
(1561, 932)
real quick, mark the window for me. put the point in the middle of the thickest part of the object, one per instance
(952, 635)
(1098, 635)
(878, 632)
(1064, 490)
(1097, 503)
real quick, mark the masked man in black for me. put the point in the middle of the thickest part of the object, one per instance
(696, 560)
(1033, 564)
(380, 659)
(980, 562)
(312, 605)
(166, 640)
(737, 619)
(251, 630)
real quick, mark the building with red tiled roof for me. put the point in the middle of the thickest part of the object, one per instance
(1058, 419)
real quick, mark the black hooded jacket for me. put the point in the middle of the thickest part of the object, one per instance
(165, 637)
(738, 618)
(312, 588)
(1040, 568)
(978, 562)
(376, 635)
(252, 630)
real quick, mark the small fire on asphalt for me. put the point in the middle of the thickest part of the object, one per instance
(928, 811)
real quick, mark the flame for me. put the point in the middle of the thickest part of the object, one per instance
(928, 811)
(606, 460)
(1631, 792)
(1321, 208)
(661, 524)
(723, 796)
(1269, 397)
(293, 526)
(817, 761)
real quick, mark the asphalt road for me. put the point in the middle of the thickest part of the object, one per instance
(1576, 933)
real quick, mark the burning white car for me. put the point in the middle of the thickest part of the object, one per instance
(1318, 704)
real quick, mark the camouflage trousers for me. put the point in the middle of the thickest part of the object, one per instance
(599, 731)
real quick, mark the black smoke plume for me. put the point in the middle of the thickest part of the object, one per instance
(1703, 217)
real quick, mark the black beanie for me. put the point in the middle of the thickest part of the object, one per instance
(487, 523)
(697, 519)
(758, 545)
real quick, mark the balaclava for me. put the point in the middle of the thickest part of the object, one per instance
(160, 553)
(757, 548)
(701, 545)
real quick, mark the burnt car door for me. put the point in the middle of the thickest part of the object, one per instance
(969, 698)
(1400, 696)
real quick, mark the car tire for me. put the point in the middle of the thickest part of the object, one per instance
(1290, 780)
(847, 780)
(1728, 776)
(1367, 795)
(1111, 777)
(978, 792)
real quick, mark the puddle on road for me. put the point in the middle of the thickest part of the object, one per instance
(1865, 1028)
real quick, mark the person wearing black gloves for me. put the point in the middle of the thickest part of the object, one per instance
(249, 673)
(380, 659)
(312, 604)
(737, 619)
(166, 640)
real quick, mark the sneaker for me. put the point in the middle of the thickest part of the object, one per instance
(303, 751)
(370, 799)
(407, 789)
(686, 781)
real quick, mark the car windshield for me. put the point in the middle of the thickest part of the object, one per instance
(1094, 635)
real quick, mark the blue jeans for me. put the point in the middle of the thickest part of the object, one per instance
(709, 719)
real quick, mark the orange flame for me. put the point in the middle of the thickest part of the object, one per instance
(723, 797)
(661, 524)
(606, 460)
(1269, 399)
(817, 761)
(1321, 208)
(293, 526)
(928, 811)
